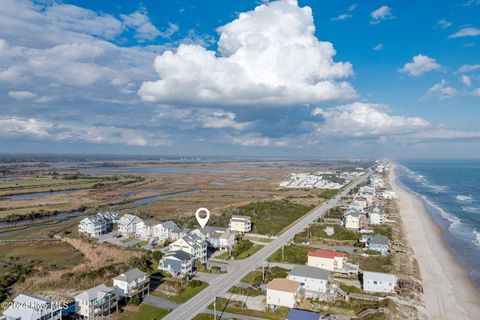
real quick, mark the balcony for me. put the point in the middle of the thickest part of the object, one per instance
(139, 288)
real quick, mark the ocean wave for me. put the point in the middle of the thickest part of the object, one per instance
(464, 198)
(420, 178)
(446, 215)
(477, 238)
(471, 209)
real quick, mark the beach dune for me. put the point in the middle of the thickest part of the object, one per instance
(448, 292)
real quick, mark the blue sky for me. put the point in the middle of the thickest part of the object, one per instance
(280, 78)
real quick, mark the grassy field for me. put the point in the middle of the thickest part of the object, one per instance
(246, 291)
(40, 209)
(263, 240)
(204, 316)
(373, 263)
(243, 250)
(41, 182)
(47, 254)
(271, 217)
(255, 277)
(188, 293)
(292, 254)
(141, 312)
(237, 308)
(317, 232)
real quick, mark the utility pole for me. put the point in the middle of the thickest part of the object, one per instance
(215, 308)
(282, 252)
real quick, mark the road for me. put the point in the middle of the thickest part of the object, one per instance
(241, 268)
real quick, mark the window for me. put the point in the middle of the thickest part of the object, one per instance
(374, 282)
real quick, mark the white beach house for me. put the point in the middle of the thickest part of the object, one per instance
(379, 282)
(193, 245)
(240, 224)
(282, 293)
(354, 220)
(177, 263)
(30, 307)
(312, 280)
(96, 303)
(145, 229)
(327, 259)
(127, 225)
(166, 231)
(98, 224)
(133, 283)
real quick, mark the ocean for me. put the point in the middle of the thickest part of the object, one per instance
(450, 191)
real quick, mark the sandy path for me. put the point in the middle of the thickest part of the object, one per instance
(448, 292)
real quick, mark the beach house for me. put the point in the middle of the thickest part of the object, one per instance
(327, 259)
(30, 307)
(96, 225)
(354, 220)
(379, 282)
(177, 263)
(240, 224)
(133, 283)
(193, 245)
(93, 226)
(312, 280)
(282, 293)
(227, 240)
(96, 303)
(127, 225)
(165, 230)
(145, 229)
(376, 215)
(377, 243)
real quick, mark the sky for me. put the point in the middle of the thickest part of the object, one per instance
(309, 78)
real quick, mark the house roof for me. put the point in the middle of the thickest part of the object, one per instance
(330, 254)
(378, 276)
(130, 275)
(310, 272)
(193, 241)
(226, 235)
(296, 314)
(94, 293)
(169, 225)
(283, 285)
(27, 307)
(355, 214)
(128, 219)
(378, 239)
(151, 222)
(180, 255)
(235, 217)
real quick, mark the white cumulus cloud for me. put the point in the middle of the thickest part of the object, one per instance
(469, 68)
(466, 32)
(466, 80)
(22, 95)
(360, 119)
(421, 64)
(13, 126)
(268, 56)
(442, 91)
(381, 14)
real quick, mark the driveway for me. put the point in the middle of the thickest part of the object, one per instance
(159, 302)
(252, 303)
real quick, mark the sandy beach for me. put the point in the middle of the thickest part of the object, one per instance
(448, 292)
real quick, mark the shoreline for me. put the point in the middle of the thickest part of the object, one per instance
(448, 291)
